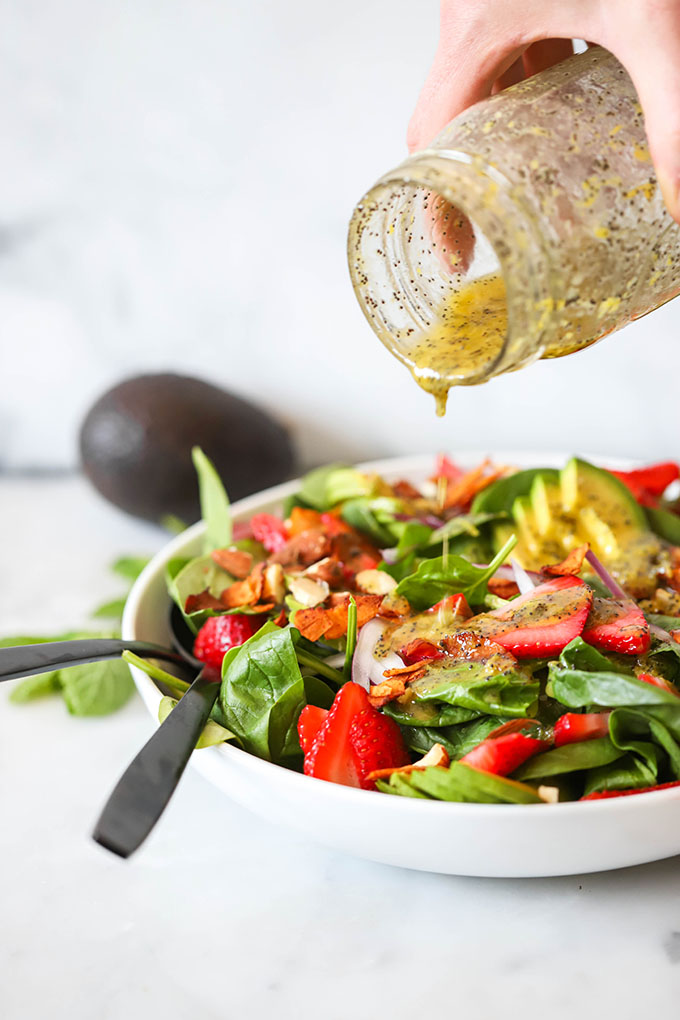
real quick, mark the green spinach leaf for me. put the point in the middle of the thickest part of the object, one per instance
(192, 577)
(263, 693)
(587, 754)
(436, 578)
(215, 508)
(211, 734)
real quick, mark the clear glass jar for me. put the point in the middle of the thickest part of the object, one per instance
(530, 228)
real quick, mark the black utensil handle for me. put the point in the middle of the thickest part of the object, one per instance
(26, 660)
(149, 781)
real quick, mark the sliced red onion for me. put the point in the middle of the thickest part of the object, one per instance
(522, 579)
(389, 555)
(336, 661)
(606, 578)
(660, 633)
(506, 573)
(366, 669)
(429, 519)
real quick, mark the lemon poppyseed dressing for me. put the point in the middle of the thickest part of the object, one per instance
(561, 234)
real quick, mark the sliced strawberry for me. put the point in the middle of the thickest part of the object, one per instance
(353, 740)
(377, 744)
(541, 622)
(648, 483)
(606, 794)
(657, 681)
(502, 755)
(270, 531)
(617, 626)
(310, 722)
(456, 605)
(573, 727)
(419, 650)
(220, 633)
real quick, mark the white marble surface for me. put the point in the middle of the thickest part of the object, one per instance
(222, 915)
(177, 180)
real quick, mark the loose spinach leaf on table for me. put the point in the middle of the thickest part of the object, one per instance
(215, 509)
(436, 578)
(33, 687)
(263, 693)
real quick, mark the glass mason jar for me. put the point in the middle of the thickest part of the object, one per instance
(531, 227)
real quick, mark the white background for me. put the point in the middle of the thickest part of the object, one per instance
(176, 182)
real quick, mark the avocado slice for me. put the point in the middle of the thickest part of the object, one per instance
(584, 503)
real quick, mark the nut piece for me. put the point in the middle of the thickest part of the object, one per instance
(235, 561)
(273, 587)
(375, 582)
(307, 592)
(436, 756)
(549, 794)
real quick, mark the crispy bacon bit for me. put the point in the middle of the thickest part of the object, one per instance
(415, 667)
(571, 564)
(246, 592)
(675, 634)
(388, 690)
(419, 650)
(329, 570)
(355, 552)
(304, 549)
(312, 623)
(234, 561)
(332, 622)
(204, 600)
(281, 620)
(301, 520)
(436, 757)
(333, 524)
(464, 644)
(460, 492)
(404, 490)
(504, 588)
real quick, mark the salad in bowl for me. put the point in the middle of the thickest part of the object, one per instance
(488, 635)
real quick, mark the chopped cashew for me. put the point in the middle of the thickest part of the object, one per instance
(375, 582)
(549, 794)
(274, 587)
(307, 592)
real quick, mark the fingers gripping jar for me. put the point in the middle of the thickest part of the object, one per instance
(530, 228)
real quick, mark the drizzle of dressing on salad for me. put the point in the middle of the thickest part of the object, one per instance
(467, 337)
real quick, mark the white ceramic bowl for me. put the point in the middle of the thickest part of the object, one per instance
(458, 839)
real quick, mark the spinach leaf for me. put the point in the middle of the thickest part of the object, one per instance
(211, 734)
(501, 494)
(457, 740)
(192, 577)
(464, 524)
(33, 687)
(587, 754)
(400, 785)
(317, 692)
(97, 688)
(436, 578)
(129, 567)
(327, 486)
(664, 523)
(215, 508)
(626, 773)
(428, 713)
(374, 518)
(636, 730)
(665, 622)
(263, 693)
(480, 686)
(580, 655)
(581, 688)
(461, 783)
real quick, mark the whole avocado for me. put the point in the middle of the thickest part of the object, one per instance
(136, 441)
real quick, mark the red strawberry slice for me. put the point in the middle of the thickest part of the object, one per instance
(648, 483)
(541, 622)
(502, 755)
(456, 605)
(606, 794)
(575, 726)
(657, 681)
(353, 740)
(419, 650)
(270, 531)
(310, 722)
(220, 633)
(377, 744)
(617, 626)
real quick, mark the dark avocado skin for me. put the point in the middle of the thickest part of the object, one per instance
(136, 441)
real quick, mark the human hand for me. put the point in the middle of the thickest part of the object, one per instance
(486, 45)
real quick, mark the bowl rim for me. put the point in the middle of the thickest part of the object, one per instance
(410, 807)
